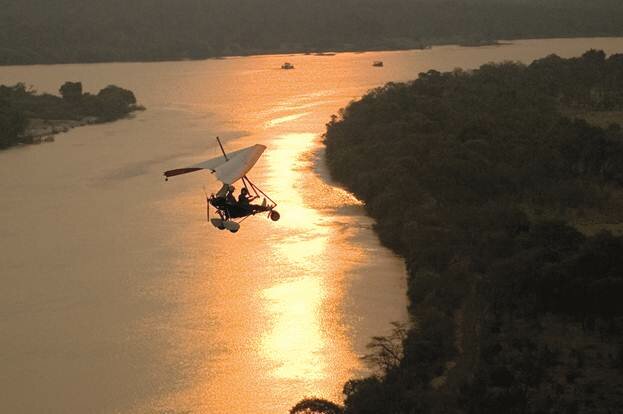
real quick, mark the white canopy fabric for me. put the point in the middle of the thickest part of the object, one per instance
(239, 164)
(228, 171)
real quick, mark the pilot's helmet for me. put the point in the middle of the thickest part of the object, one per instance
(244, 190)
(232, 188)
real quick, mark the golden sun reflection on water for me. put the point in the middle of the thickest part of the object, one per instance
(284, 119)
(303, 249)
(285, 161)
(295, 342)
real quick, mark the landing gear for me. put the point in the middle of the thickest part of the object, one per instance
(219, 223)
(232, 226)
(225, 224)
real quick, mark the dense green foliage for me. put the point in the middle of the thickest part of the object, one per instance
(43, 31)
(12, 124)
(453, 166)
(19, 104)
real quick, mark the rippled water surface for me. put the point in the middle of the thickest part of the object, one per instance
(117, 296)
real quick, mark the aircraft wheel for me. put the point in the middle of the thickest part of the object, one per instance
(274, 215)
(233, 230)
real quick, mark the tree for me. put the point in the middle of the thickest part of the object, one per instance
(316, 406)
(115, 102)
(387, 351)
(115, 92)
(12, 124)
(71, 91)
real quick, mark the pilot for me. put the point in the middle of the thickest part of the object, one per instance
(244, 199)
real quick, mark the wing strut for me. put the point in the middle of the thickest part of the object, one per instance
(247, 183)
(222, 149)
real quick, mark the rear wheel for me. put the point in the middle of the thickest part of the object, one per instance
(274, 215)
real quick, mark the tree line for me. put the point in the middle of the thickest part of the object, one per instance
(472, 176)
(37, 31)
(19, 104)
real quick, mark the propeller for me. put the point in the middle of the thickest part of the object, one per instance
(207, 204)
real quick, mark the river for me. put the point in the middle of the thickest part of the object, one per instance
(118, 297)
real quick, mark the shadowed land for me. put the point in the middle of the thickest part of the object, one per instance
(508, 213)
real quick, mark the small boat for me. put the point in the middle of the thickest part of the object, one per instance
(287, 65)
(378, 63)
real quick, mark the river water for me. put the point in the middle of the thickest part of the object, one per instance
(118, 297)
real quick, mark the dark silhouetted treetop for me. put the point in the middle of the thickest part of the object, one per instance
(71, 91)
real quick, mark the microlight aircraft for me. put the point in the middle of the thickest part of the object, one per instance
(229, 169)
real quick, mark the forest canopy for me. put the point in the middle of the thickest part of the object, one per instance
(40, 31)
(481, 179)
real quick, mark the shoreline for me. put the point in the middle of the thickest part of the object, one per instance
(41, 131)
(328, 52)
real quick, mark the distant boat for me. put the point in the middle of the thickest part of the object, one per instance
(287, 65)
(378, 63)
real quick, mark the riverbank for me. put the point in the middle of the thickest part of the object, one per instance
(43, 130)
(401, 46)
(514, 305)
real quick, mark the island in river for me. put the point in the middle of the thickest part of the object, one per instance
(502, 188)
(29, 118)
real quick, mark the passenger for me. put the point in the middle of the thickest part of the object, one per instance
(226, 192)
(230, 195)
